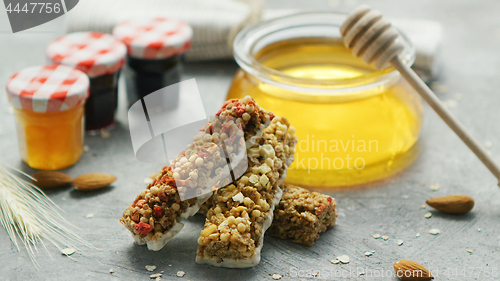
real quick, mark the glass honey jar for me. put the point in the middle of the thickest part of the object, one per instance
(355, 124)
(48, 104)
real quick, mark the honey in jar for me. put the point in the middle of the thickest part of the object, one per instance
(48, 104)
(355, 124)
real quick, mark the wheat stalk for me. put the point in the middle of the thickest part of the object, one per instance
(29, 216)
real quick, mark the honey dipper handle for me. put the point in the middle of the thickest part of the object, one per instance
(454, 124)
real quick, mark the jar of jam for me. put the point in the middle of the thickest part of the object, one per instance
(155, 48)
(101, 57)
(355, 124)
(48, 104)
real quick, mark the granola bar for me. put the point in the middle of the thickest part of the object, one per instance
(302, 215)
(241, 213)
(155, 215)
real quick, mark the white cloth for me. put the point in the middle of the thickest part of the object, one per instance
(216, 22)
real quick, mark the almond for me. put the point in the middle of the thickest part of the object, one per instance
(408, 270)
(93, 181)
(452, 204)
(51, 179)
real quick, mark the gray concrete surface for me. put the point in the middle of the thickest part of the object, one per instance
(471, 61)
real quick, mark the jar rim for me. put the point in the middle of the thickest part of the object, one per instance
(249, 38)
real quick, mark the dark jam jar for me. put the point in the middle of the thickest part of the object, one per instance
(155, 48)
(101, 57)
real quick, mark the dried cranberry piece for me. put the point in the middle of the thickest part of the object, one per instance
(163, 197)
(140, 203)
(320, 209)
(158, 211)
(142, 228)
(135, 217)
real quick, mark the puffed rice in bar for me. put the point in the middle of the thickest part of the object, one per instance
(242, 212)
(155, 215)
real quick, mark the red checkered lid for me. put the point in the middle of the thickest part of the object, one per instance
(94, 53)
(48, 88)
(154, 38)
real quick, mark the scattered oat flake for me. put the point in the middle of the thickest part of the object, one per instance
(423, 206)
(428, 215)
(406, 196)
(417, 235)
(435, 187)
(150, 267)
(368, 254)
(111, 271)
(376, 236)
(400, 242)
(344, 259)
(385, 237)
(148, 180)
(68, 251)
(315, 274)
(154, 276)
(434, 231)
(105, 134)
(469, 251)
(277, 276)
(181, 273)
(488, 143)
(479, 230)
(89, 216)
(86, 148)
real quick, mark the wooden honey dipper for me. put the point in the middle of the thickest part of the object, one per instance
(372, 38)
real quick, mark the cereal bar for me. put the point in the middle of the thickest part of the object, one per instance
(155, 215)
(241, 212)
(302, 215)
